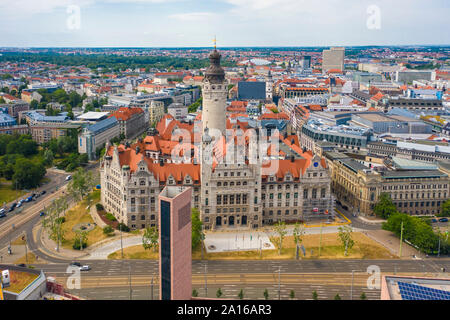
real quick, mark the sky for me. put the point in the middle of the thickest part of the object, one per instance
(194, 23)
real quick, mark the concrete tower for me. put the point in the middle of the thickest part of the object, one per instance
(214, 96)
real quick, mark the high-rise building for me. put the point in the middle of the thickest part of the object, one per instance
(214, 95)
(333, 59)
(175, 263)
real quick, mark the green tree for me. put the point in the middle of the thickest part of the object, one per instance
(27, 174)
(315, 296)
(48, 157)
(150, 238)
(241, 294)
(194, 293)
(298, 233)
(345, 235)
(108, 230)
(34, 104)
(54, 218)
(266, 294)
(292, 294)
(81, 184)
(280, 230)
(384, 207)
(219, 293)
(363, 296)
(337, 297)
(445, 210)
(196, 228)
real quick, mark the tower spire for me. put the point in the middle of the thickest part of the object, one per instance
(215, 42)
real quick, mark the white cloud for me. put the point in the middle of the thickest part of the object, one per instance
(193, 16)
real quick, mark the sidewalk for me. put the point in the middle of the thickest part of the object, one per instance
(370, 220)
(388, 240)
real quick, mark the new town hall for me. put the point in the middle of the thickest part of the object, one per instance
(269, 178)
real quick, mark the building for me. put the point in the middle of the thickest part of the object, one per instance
(383, 123)
(132, 121)
(44, 132)
(95, 136)
(419, 150)
(408, 76)
(359, 184)
(30, 284)
(229, 192)
(17, 129)
(155, 112)
(415, 104)
(333, 59)
(15, 107)
(92, 116)
(178, 111)
(6, 120)
(175, 245)
(248, 90)
(414, 288)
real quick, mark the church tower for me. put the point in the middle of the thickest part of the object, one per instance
(215, 92)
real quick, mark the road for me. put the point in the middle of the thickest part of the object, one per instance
(25, 221)
(109, 279)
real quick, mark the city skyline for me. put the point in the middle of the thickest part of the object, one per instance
(183, 23)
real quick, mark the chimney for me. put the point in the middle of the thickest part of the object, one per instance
(161, 162)
(292, 158)
(138, 150)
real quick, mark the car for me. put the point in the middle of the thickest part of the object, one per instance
(42, 214)
(75, 264)
(85, 268)
(43, 192)
(345, 207)
(2, 215)
(23, 265)
(68, 177)
(2, 210)
(433, 220)
(19, 204)
(11, 208)
(443, 220)
(30, 198)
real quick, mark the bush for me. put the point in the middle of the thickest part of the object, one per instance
(99, 207)
(107, 230)
(110, 217)
(77, 245)
(61, 220)
(123, 227)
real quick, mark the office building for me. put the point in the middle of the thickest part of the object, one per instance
(333, 59)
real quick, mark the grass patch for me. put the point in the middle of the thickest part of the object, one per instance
(19, 280)
(31, 259)
(79, 214)
(7, 194)
(364, 248)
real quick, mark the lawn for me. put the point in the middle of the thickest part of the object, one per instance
(31, 259)
(19, 280)
(76, 215)
(364, 248)
(7, 194)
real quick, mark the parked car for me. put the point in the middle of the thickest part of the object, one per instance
(85, 268)
(11, 208)
(22, 265)
(443, 220)
(30, 198)
(68, 177)
(42, 214)
(19, 204)
(2, 215)
(43, 192)
(433, 220)
(75, 264)
(345, 207)
(2, 210)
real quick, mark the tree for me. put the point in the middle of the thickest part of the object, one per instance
(337, 297)
(52, 220)
(194, 293)
(315, 296)
(150, 238)
(81, 184)
(219, 293)
(241, 294)
(27, 174)
(107, 230)
(384, 207)
(298, 233)
(80, 241)
(266, 294)
(445, 210)
(280, 229)
(363, 296)
(34, 104)
(292, 294)
(48, 157)
(345, 235)
(196, 228)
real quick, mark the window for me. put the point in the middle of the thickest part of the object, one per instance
(143, 217)
(152, 217)
(305, 194)
(133, 218)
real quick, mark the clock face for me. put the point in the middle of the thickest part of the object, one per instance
(316, 164)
